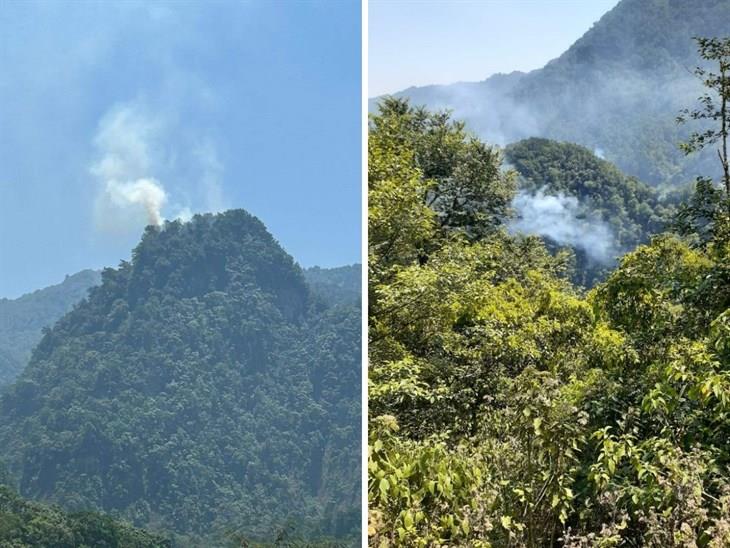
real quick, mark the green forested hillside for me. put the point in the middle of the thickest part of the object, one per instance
(630, 210)
(22, 319)
(508, 408)
(200, 390)
(616, 90)
(26, 524)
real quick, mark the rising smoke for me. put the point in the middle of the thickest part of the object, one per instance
(131, 162)
(128, 195)
(562, 219)
(147, 194)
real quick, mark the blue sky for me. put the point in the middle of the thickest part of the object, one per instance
(109, 109)
(419, 42)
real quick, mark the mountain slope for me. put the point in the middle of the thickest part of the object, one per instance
(192, 392)
(22, 319)
(26, 524)
(336, 285)
(616, 90)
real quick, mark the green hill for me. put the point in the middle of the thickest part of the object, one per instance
(616, 90)
(25, 524)
(200, 389)
(601, 213)
(22, 319)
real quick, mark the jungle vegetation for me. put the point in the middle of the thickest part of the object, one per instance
(25, 524)
(202, 391)
(510, 407)
(631, 210)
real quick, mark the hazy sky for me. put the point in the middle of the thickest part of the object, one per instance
(419, 42)
(211, 105)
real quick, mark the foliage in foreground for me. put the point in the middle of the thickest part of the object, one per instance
(509, 409)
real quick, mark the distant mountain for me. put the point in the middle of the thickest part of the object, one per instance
(201, 389)
(22, 319)
(336, 285)
(25, 524)
(616, 90)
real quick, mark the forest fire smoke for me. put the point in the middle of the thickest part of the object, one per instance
(559, 218)
(128, 196)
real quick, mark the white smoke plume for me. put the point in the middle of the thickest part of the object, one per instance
(561, 219)
(129, 196)
(136, 150)
(145, 193)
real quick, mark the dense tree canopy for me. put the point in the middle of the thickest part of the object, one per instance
(336, 285)
(201, 389)
(508, 408)
(632, 210)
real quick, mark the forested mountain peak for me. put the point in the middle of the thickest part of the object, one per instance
(221, 252)
(555, 155)
(199, 390)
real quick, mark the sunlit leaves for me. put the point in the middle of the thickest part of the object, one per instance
(509, 409)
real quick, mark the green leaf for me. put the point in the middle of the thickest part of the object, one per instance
(506, 522)
(408, 519)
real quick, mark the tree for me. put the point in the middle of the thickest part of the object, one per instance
(509, 409)
(461, 179)
(714, 104)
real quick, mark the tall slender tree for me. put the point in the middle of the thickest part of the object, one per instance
(714, 104)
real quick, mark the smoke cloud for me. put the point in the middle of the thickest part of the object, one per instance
(131, 162)
(561, 219)
(129, 196)
(147, 194)
(601, 109)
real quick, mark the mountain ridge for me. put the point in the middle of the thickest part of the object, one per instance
(601, 92)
